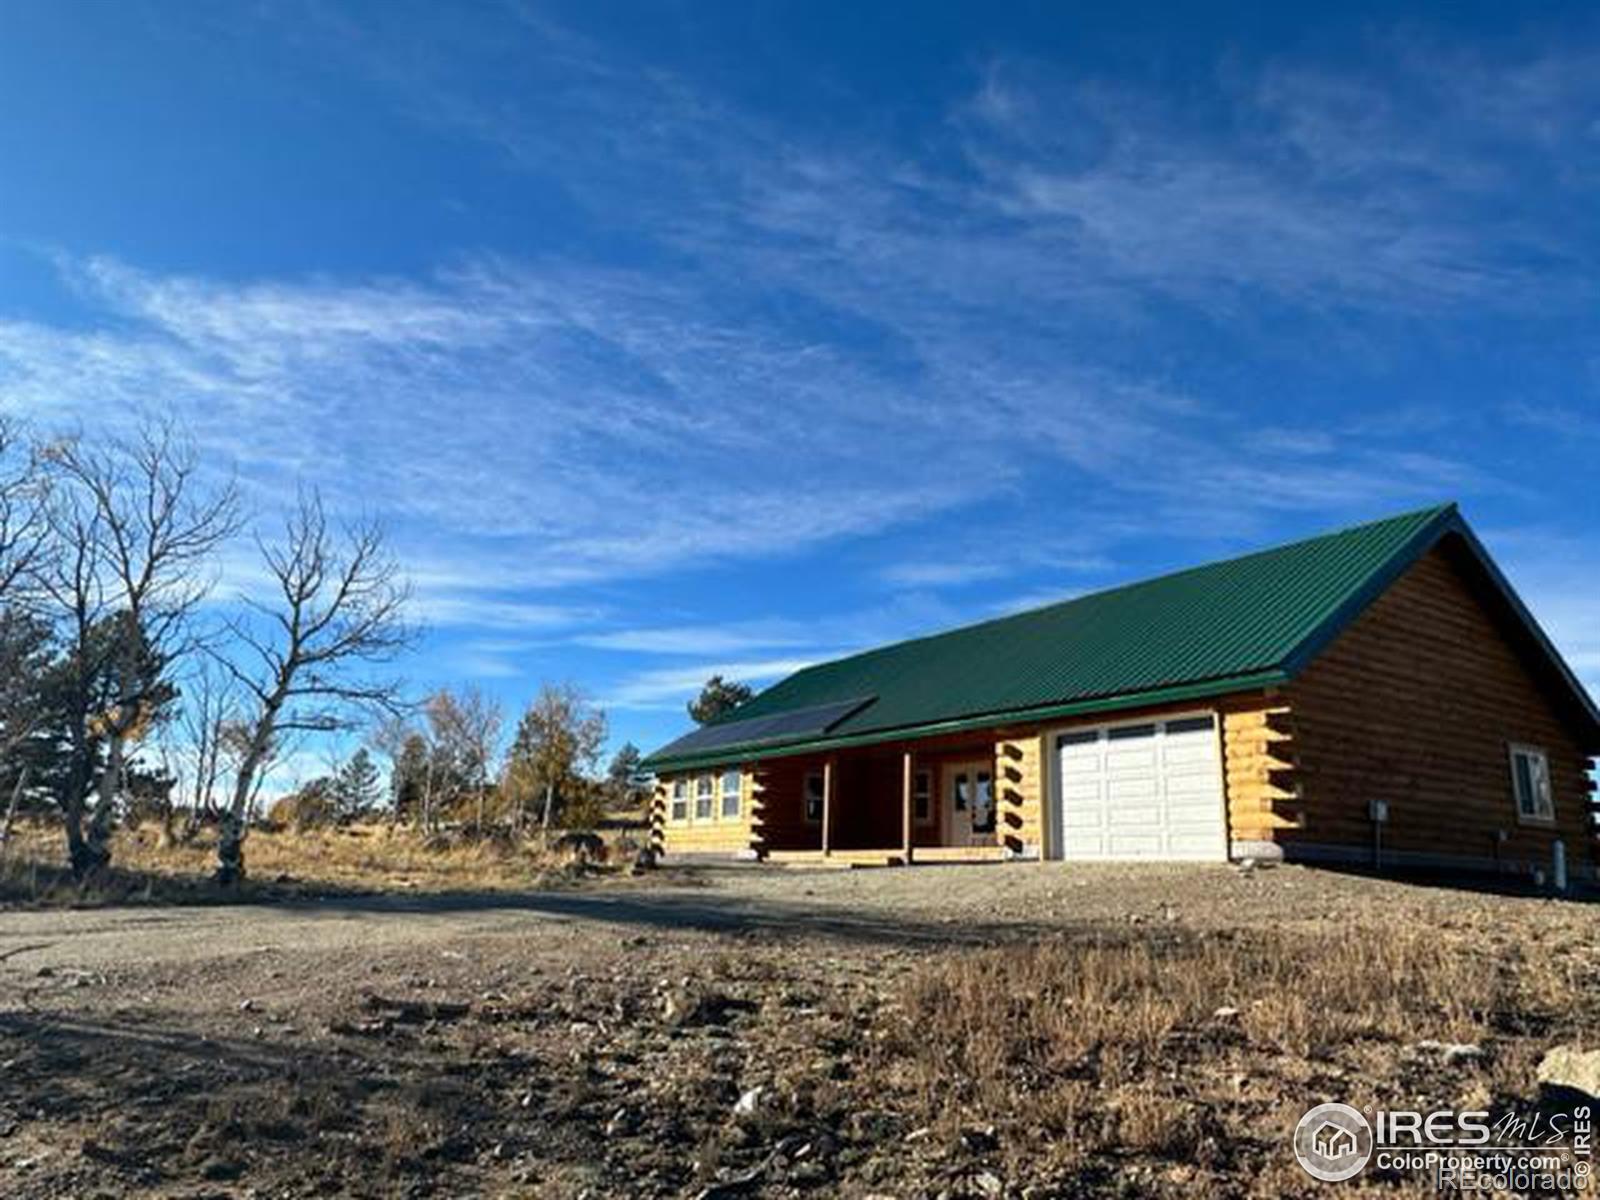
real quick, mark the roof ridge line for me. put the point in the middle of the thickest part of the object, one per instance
(1435, 510)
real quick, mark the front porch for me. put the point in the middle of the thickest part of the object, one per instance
(974, 797)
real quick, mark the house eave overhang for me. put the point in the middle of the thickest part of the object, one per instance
(1451, 524)
(1199, 690)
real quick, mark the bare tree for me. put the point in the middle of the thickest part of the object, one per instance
(337, 611)
(25, 639)
(207, 727)
(24, 529)
(133, 526)
(466, 726)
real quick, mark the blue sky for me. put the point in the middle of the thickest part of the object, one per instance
(681, 338)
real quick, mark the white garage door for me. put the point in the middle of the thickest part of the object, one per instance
(1152, 791)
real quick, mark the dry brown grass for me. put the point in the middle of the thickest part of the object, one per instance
(1175, 1045)
(146, 866)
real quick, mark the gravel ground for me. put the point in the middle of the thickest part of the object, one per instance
(947, 903)
(570, 1042)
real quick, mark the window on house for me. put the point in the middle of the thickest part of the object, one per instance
(730, 794)
(813, 797)
(680, 800)
(1130, 733)
(922, 796)
(703, 793)
(1530, 779)
(983, 803)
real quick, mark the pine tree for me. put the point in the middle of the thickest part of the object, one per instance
(357, 788)
(626, 777)
(717, 698)
(409, 783)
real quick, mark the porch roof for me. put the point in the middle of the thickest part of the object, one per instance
(1228, 626)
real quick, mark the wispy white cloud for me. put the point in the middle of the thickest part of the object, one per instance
(1038, 598)
(701, 640)
(1563, 420)
(479, 610)
(840, 339)
(670, 687)
(941, 573)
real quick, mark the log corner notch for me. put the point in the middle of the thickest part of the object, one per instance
(1262, 773)
(658, 819)
(1019, 781)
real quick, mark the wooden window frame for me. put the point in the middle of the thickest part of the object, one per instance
(805, 797)
(1519, 750)
(705, 789)
(922, 788)
(678, 802)
(737, 795)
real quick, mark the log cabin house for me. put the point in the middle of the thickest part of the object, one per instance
(1375, 696)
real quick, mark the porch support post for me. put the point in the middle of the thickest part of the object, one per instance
(827, 806)
(905, 798)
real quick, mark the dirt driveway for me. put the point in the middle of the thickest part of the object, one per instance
(597, 1040)
(931, 904)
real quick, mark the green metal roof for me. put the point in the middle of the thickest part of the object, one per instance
(1242, 623)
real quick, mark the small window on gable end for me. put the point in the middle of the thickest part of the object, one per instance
(702, 798)
(730, 794)
(813, 797)
(680, 800)
(1530, 782)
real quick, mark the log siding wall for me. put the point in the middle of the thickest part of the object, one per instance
(1417, 704)
(717, 834)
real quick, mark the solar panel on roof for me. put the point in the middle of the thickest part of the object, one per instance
(802, 722)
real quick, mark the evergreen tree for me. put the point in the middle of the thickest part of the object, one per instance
(408, 783)
(31, 743)
(357, 787)
(717, 698)
(627, 779)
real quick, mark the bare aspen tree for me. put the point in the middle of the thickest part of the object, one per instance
(133, 527)
(207, 727)
(24, 530)
(24, 637)
(336, 611)
(466, 726)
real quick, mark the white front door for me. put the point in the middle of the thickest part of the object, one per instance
(1150, 790)
(969, 804)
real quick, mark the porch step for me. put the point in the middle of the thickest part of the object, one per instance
(933, 854)
(838, 860)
